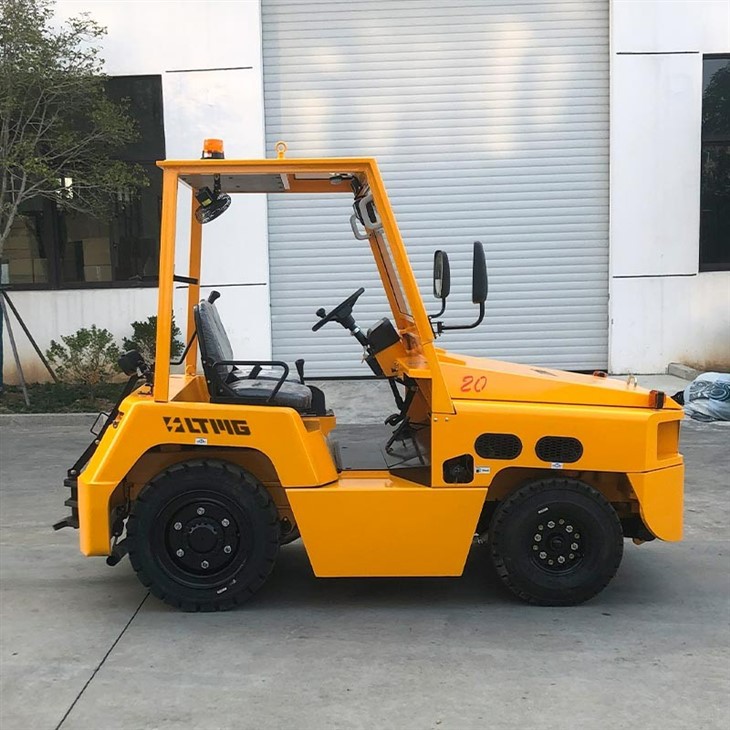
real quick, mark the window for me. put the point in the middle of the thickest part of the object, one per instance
(49, 248)
(715, 182)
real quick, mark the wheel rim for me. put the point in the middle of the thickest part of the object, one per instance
(558, 544)
(202, 538)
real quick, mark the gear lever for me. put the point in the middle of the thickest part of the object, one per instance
(299, 365)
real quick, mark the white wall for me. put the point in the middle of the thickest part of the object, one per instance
(171, 39)
(662, 308)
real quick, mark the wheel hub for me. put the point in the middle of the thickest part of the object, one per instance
(557, 545)
(202, 537)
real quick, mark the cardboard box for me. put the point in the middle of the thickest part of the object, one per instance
(22, 241)
(28, 270)
(97, 273)
(20, 267)
(20, 247)
(21, 279)
(97, 251)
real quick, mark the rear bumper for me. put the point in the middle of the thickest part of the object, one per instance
(661, 500)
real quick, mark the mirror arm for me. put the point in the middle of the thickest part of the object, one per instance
(440, 312)
(441, 327)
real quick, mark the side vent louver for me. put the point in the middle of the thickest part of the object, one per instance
(563, 449)
(498, 446)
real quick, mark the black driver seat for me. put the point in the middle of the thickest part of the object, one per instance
(228, 384)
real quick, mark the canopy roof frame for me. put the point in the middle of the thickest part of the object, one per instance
(314, 175)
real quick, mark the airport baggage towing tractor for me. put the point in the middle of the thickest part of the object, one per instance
(201, 476)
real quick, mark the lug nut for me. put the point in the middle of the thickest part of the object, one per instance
(571, 556)
(538, 537)
(577, 536)
(561, 522)
(179, 552)
(227, 549)
(561, 559)
(204, 564)
(551, 524)
(201, 510)
(551, 562)
(574, 546)
(543, 555)
(178, 525)
(569, 528)
(540, 527)
(225, 522)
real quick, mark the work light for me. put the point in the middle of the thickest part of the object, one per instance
(212, 202)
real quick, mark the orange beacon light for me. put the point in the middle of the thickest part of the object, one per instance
(212, 149)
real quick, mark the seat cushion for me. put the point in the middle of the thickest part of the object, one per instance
(258, 391)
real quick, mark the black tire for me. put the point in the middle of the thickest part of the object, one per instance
(556, 542)
(203, 535)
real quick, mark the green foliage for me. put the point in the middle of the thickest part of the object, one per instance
(60, 398)
(88, 357)
(716, 103)
(59, 131)
(144, 339)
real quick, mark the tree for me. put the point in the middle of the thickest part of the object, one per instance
(716, 104)
(59, 132)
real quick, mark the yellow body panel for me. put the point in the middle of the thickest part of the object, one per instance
(298, 450)
(379, 525)
(614, 439)
(475, 378)
(661, 496)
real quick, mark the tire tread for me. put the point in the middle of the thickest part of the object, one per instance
(264, 502)
(505, 510)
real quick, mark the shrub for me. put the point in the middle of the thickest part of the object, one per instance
(88, 357)
(144, 339)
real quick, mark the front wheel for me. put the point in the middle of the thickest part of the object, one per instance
(556, 542)
(203, 535)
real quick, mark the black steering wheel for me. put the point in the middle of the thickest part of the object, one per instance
(342, 313)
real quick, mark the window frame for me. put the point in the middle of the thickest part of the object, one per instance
(53, 229)
(704, 144)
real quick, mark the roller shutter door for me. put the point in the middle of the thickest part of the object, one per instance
(489, 120)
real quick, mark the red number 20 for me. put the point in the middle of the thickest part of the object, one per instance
(469, 383)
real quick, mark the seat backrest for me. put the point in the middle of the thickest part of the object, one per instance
(213, 339)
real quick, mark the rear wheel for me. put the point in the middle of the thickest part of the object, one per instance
(203, 535)
(556, 542)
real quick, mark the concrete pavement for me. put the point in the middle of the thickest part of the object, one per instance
(81, 646)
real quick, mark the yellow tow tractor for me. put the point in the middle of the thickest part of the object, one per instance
(201, 477)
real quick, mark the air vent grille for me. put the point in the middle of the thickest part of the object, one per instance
(563, 449)
(498, 446)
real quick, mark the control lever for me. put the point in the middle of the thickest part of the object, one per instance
(299, 365)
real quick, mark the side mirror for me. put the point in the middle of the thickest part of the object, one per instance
(479, 284)
(441, 275)
(478, 290)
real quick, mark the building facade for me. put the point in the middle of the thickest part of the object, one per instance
(575, 138)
